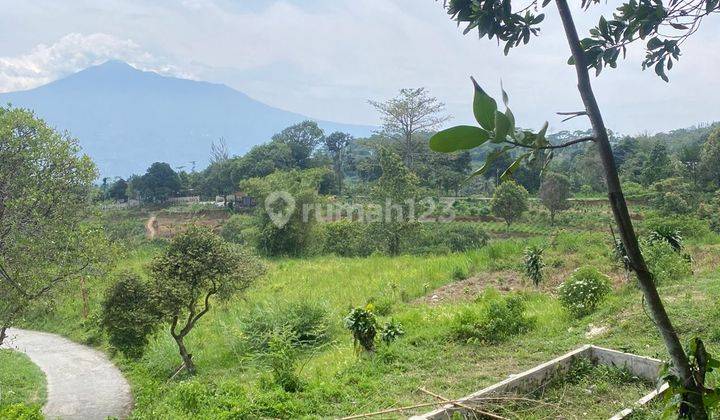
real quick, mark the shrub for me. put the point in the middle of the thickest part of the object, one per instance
(238, 229)
(363, 325)
(460, 237)
(496, 321)
(688, 226)
(445, 237)
(349, 239)
(391, 331)
(305, 322)
(533, 264)
(584, 290)
(127, 315)
(664, 262)
(21, 411)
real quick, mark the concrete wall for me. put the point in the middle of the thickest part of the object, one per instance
(525, 382)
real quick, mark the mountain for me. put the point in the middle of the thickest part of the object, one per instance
(125, 118)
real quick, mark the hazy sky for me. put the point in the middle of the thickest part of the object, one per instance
(325, 58)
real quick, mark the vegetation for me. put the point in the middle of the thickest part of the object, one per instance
(509, 201)
(22, 387)
(45, 239)
(584, 290)
(372, 281)
(554, 193)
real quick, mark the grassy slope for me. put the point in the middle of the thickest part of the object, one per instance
(232, 382)
(21, 381)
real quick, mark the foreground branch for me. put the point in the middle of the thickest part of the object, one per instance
(553, 146)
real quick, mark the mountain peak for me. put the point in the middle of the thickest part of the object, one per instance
(127, 118)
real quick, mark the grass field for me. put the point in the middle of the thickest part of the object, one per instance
(21, 381)
(234, 380)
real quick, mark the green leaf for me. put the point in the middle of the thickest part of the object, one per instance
(660, 70)
(502, 127)
(462, 137)
(484, 108)
(513, 166)
(492, 157)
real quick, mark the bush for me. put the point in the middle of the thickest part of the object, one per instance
(349, 239)
(445, 237)
(128, 315)
(584, 290)
(496, 321)
(306, 322)
(688, 226)
(664, 262)
(363, 325)
(391, 331)
(21, 412)
(238, 229)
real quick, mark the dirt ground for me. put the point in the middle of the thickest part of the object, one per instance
(167, 225)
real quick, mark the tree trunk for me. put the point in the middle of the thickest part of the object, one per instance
(186, 357)
(3, 334)
(624, 223)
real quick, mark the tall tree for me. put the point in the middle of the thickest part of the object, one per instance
(643, 20)
(396, 185)
(159, 183)
(45, 240)
(657, 165)
(709, 167)
(337, 145)
(219, 152)
(302, 139)
(118, 190)
(411, 112)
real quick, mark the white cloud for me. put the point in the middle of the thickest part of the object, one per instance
(73, 52)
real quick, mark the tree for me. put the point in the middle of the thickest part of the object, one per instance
(219, 152)
(394, 188)
(411, 112)
(159, 183)
(118, 190)
(709, 166)
(634, 21)
(197, 267)
(337, 145)
(45, 238)
(302, 139)
(285, 215)
(657, 166)
(554, 193)
(509, 201)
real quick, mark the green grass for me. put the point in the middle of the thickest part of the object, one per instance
(21, 381)
(233, 380)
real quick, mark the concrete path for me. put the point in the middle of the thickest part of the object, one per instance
(82, 383)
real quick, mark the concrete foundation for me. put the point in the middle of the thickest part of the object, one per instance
(525, 382)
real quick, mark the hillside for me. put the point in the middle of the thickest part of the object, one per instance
(126, 119)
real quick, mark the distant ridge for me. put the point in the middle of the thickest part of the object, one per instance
(126, 118)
